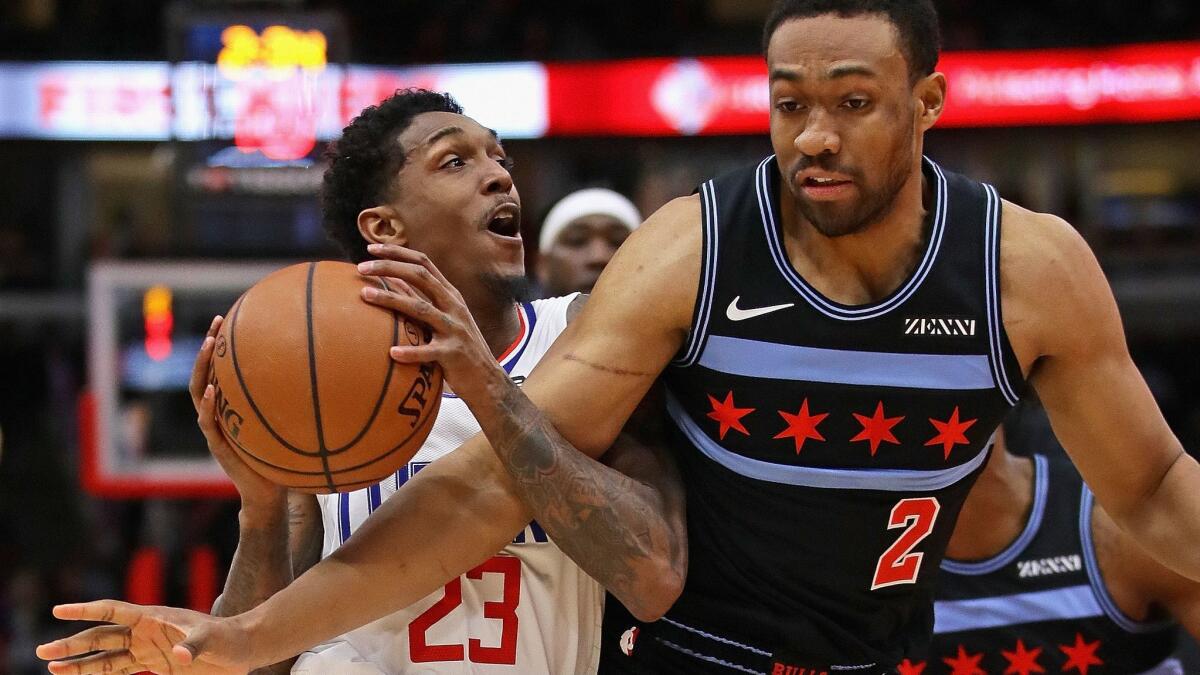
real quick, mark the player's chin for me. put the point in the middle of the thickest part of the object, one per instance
(504, 250)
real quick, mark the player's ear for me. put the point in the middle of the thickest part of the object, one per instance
(931, 96)
(382, 225)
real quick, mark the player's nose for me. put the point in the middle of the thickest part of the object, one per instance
(819, 136)
(497, 181)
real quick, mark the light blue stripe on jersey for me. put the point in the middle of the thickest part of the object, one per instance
(770, 360)
(890, 480)
(1073, 602)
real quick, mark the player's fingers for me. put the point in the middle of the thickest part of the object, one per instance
(106, 663)
(109, 611)
(414, 256)
(419, 354)
(399, 286)
(99, 638)
(199, 377)
(419, 277)
(206, 415)
(409, 305)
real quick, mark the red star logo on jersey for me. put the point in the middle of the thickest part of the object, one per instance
(877, 428)
(801, 426)
(728, 415)
(1022, 661)
(1081, 655)
(964, 663)
(907, 667)
(950, 432)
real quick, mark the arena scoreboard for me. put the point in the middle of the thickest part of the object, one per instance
(247, 151)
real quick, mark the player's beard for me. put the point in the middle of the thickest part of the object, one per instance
(509, 288)
(839, 220)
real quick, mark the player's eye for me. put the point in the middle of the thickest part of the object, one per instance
(856, 103)
(787, 106)
(453, 162)
(506, 162)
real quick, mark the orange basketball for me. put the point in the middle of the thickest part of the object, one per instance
(305, 390)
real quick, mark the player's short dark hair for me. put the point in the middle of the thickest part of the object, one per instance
(916, 24)
(365, 157)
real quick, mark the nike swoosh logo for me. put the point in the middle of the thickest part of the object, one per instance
(737, 314)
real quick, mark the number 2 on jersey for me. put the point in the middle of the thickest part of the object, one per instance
(504, 609)
(898, 564)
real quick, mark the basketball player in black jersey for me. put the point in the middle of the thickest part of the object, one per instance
(1037, 579)
(840, 328)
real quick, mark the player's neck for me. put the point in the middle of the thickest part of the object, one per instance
(868, 265)
(996, 510)
(497, 319)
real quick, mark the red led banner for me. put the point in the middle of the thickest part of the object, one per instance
(641, 97)
(1140, 83)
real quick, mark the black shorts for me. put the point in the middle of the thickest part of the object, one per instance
(671, 647)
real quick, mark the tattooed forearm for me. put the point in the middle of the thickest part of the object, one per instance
(270, 553)
(261, 565)
(627, 534)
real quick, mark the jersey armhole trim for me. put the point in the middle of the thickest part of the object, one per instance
(1041, 484)
(1091, 563)
(991, 272)
(694, 344)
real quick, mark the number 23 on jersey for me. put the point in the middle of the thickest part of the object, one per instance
(503, 610)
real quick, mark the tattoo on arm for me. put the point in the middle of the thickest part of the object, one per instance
(269, 555)
(612, 525)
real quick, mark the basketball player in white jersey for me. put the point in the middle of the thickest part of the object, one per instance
(527, 609)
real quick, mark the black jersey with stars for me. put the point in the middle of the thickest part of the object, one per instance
(1041, 605)
(826, 448)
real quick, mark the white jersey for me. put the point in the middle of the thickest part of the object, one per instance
(529, 609)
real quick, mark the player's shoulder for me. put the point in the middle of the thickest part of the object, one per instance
(1044, 256)
(550, 316)
(667, 245)
(1033, 243)
(1048, 275)
(674, 227)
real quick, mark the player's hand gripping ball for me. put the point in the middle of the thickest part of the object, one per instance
(305, 390)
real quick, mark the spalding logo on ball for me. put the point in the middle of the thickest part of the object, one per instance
(306, 391)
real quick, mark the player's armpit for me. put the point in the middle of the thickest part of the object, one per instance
(1099, 405)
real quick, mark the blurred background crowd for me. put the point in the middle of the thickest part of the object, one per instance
(67, 203)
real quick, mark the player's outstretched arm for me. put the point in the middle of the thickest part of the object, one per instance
(1059, 308)
(139, 639)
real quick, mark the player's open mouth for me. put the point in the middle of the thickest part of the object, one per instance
(505, 220)
(825, 187)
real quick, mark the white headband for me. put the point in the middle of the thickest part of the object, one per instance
(589, 202)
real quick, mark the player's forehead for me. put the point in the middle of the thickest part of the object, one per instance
(828, 45)
(428, 128)
(594, 223)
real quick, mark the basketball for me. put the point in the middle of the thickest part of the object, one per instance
(305, 389)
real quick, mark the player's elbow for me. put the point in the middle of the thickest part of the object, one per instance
(658, 593)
